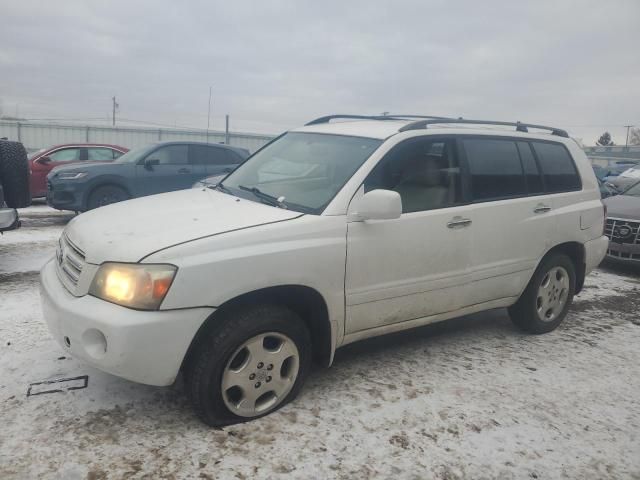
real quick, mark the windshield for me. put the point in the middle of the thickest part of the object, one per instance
(132, 156)
(301, 171)
(634, 191)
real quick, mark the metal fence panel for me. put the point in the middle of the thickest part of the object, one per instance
(38, 135)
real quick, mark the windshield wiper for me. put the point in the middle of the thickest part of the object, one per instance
(221, 187)
(275, 201)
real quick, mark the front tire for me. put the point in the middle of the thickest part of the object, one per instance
(251, 363)
(106, 195)
(546, 300)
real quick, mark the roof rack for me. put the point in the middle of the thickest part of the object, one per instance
(328, 118)
(520, 127)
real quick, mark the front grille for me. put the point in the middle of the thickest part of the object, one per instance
(620, 230)
(623, 255)
(71, 261)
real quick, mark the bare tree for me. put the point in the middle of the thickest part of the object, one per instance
(605, 140)
(634, 136)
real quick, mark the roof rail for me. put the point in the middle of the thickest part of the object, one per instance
(520, 127)
(328, 118)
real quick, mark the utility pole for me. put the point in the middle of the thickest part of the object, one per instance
(209, 112)
(226, 129)
(113, 116)
(626, 143)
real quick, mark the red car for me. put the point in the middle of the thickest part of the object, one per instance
(43, 161)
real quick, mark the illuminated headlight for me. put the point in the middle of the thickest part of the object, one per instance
(140, 286)
(71, 175)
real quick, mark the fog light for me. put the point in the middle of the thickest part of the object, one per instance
(95, 343)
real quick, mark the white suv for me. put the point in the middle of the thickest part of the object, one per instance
(333, 232)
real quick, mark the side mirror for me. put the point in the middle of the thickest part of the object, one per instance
(44, 160)
(150, 162)
(379, 205)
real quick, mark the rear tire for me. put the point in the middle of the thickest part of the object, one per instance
(106, 195)
(546, 300)
(14, 174)
(222, 379)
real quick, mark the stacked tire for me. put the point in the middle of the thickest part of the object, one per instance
(14, 175)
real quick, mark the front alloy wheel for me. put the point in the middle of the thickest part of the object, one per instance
(248, 362)
(260, 374)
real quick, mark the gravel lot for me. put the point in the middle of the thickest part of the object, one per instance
(470, 398)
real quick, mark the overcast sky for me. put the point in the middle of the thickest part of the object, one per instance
(277, 64)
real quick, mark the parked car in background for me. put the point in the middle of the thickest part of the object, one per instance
(600, 171)
(45, 160)
(157, 168)
(606, 189)
(627, 178)
(332, 233)
(623, 225)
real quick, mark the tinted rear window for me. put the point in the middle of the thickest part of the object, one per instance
(531, 172)
(558, 169)
(205, 155)
(495, 169)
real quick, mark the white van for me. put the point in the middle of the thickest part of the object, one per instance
(347, 228)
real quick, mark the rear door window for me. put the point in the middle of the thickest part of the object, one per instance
(531, 172)
(204, 155)
(559, 171)
(494, 168)
(99, 154)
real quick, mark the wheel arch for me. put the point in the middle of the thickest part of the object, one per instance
(576, 252)
(305, 301)
(105, 182)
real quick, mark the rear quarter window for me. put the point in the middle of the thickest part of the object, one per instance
(558, 168)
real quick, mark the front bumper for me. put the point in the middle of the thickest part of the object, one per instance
(142, 346)
(64, 196)
(626, 252)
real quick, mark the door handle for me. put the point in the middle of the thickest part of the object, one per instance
(459, 222)
(184, 170)
(541, 208)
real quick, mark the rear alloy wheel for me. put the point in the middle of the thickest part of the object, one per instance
(106, 195)
(546, 300)
(552, 294)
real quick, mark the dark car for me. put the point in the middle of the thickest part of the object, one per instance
(606, 189)
(157, 168)
(623, 225)
(45, 160)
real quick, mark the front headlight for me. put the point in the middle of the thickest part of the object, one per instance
(71, 175)
(140, 286)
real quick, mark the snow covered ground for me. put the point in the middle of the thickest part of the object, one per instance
(470, 398)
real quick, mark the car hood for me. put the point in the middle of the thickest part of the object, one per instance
(131, 230)
(623, 206)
